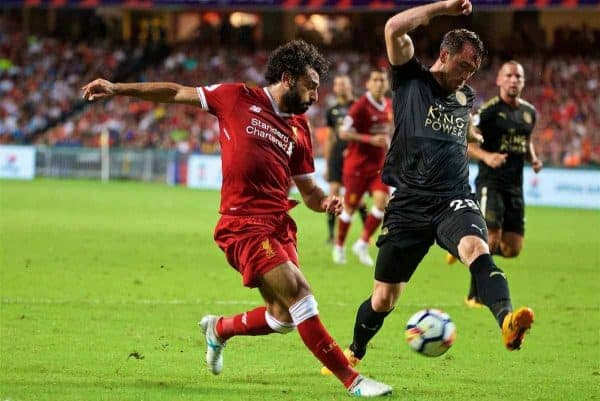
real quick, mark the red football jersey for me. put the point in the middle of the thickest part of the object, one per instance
(261, 148)
(367, 117)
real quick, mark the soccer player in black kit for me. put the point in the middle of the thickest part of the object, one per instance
(335, 146)
(427, 164)
(506, 122)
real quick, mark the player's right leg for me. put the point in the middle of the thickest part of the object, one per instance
(250, 250)
(395, 265)
(288, 285)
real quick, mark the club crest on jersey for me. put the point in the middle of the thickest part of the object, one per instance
(461, 98)
(255, 109)
(527, 117)
(266, 246)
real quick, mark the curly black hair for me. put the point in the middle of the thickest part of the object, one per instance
(454, 41)
(294, 57)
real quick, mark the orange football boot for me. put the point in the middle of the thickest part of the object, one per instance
(514, 327)
(349, 356)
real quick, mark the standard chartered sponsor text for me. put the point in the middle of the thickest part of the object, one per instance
(263, 130)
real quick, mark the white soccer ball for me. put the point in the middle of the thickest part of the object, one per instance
(430, 332)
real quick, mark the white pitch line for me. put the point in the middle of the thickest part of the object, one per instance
(53, 301)
(197, 301)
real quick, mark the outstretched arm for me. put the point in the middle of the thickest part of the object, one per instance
(315, 198)
(162, 92)
(398, 44)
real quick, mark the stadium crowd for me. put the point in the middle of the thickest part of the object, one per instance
(40, 79)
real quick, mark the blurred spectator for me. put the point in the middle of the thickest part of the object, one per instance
(40, 79)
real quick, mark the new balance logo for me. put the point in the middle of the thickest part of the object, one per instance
(255, 109)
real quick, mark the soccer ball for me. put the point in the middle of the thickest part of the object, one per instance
(430, 332)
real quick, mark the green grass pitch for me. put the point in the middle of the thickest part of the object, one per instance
(102, 285)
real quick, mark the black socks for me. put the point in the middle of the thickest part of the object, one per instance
(331, 225)
(492, 286)
(368, 322)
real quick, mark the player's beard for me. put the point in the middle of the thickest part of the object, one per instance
(293, 102)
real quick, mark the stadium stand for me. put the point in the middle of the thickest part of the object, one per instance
(40, 79)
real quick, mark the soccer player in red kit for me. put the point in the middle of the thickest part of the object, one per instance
(265, 142)
(367, 128)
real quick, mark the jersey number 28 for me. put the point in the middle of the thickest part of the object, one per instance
(457, 204)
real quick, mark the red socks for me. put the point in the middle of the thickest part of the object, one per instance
(318, 340)
(343, 228)
(251, 323)
(370, 227)
(313, 333)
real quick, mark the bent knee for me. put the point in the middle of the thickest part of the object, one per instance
(385, 296)
(471, 247)
(281, 324)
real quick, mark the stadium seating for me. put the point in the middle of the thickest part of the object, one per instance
(40, 80)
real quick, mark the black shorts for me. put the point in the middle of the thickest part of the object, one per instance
(335, 164)
(412, 223)
(502, 208)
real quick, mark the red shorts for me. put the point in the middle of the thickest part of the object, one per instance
(254, 245)
(355, 186)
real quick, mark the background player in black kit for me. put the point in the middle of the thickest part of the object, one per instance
(506, 122)
(427, 164)
(334, 150)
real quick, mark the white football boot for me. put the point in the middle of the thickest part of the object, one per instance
(214, 346)
(365, 387)
(338, 254)
(361, 249)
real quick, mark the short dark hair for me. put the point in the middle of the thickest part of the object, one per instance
(455, 39)
(294, 57)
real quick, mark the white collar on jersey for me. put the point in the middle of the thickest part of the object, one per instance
(274, 105)
(378, 106)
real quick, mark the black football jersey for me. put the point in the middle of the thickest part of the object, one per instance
(334, 116)
(505, 129)
(428, 153)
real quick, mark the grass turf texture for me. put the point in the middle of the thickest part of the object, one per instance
(102, 285)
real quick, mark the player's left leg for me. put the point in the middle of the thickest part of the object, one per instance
(493, 209)
(380, 195)
(462, 231)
